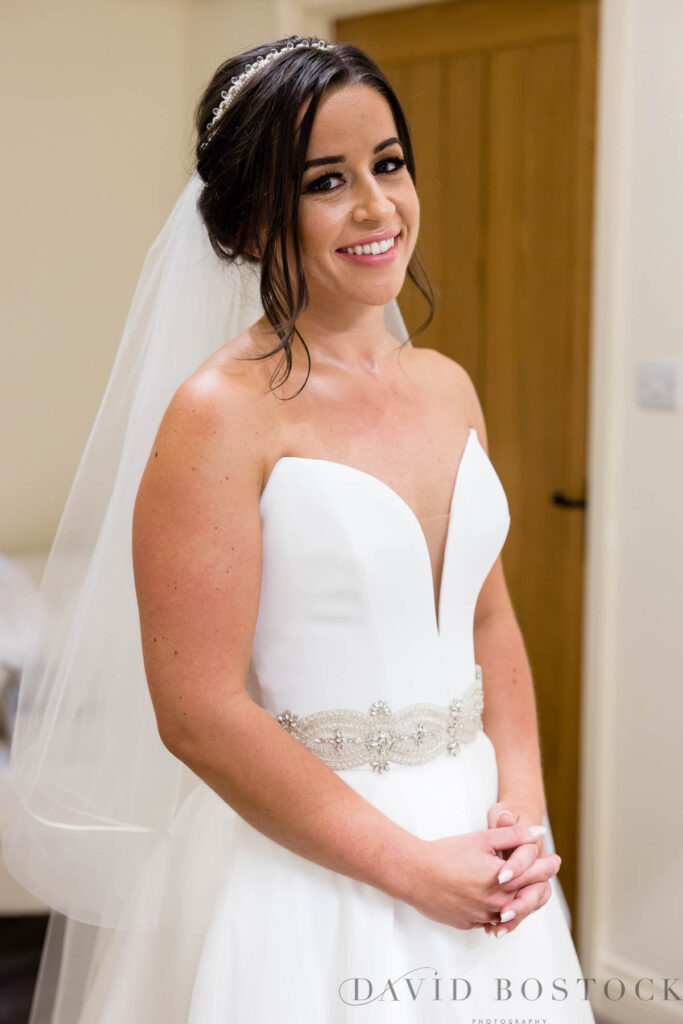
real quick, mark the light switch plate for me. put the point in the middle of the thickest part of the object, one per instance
(657, 384)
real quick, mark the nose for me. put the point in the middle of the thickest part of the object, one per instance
(372, 202)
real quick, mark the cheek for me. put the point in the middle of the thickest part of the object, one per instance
(318, 230)
(412, 207)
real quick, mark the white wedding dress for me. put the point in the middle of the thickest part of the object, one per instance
(255, 934)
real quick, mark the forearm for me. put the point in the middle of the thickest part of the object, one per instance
(287, 793)
(510, 715)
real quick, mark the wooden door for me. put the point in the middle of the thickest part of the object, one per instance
(499, 96)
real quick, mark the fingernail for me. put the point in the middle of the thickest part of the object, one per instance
(507, 916)
(503, 931)
(505, 876)
(537, 830)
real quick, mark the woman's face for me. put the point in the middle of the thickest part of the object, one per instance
(360, 188)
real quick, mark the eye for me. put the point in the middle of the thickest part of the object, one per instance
(321, 184)
(398, 162)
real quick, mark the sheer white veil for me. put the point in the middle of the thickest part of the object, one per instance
(96, 794)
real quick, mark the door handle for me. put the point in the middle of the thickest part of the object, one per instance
(561, 499)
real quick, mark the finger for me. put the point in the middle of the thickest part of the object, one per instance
(500, 820)
(517, 907)
(518, 861)
(528, 899)
(505, 818)
(491, 925)
(541, 869)
(507, 836)
(500, 928)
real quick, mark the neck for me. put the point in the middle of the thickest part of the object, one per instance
(348, 338)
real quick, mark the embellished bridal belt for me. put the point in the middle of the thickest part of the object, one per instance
(415, 734)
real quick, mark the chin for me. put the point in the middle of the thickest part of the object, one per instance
(378, 297)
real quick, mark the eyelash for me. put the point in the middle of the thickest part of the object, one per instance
(399, 161)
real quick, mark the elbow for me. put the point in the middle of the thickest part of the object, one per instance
(179, 736)
(175, 741)
(197, 738)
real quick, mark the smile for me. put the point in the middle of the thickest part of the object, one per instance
(371, 250)
(378, 254)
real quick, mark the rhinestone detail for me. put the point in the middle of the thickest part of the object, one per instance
(239, 81)
(346, 738)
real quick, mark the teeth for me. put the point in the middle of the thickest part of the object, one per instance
(371, 250)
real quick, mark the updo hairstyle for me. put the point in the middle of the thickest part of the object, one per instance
(252, 165)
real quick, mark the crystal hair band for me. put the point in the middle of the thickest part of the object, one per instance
(415, 734)
(239, 81)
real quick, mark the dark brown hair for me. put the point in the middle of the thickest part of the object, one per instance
(252, 165)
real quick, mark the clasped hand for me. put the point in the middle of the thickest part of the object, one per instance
(530, 889)
(459, 875)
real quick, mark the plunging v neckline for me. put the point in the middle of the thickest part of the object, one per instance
(402, 503)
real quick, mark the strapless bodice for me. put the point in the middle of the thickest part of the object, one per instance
(347, 612)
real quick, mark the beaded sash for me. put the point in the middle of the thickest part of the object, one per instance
(415, 734)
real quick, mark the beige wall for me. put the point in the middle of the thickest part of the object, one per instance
(92, 113)
(632, 859)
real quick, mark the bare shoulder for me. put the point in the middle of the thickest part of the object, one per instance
(451, 379)
(196, 544)
(215, 421)
(204, 474)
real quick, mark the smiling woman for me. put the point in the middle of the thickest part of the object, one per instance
(252, 762)
(342, 113)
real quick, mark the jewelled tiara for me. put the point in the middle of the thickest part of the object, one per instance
(239, 81)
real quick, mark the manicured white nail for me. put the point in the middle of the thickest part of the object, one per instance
(537, 830)
(507, 916)
(505, 876)
(503, 931)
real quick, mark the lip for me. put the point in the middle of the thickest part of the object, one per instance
(369, 239)
(373, 260)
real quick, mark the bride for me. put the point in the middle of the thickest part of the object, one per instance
(316, 560)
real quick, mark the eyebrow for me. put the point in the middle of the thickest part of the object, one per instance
(339, 159)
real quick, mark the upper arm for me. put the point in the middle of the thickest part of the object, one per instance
(197, 555)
